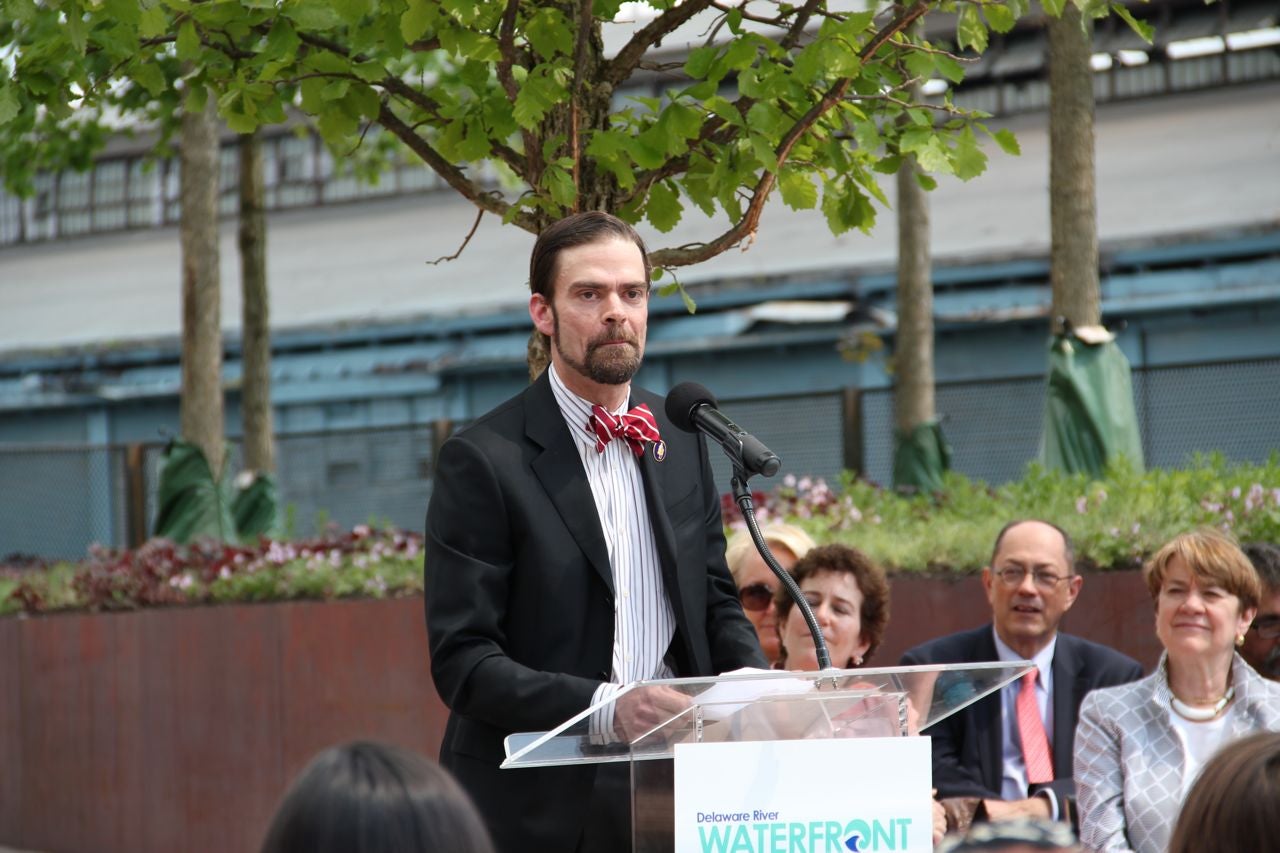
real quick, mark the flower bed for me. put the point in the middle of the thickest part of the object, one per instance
(361, 563)
(1115, 522)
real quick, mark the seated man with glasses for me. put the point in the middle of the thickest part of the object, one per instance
(1262, 641)
(1013, 751)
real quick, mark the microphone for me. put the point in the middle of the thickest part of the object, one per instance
(692, 408)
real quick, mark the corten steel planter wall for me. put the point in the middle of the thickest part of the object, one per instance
(179, 729)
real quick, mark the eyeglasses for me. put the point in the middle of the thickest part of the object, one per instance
(1047, 581)
(755, 596)
(1267, 627)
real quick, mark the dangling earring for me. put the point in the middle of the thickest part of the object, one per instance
(1239, 640)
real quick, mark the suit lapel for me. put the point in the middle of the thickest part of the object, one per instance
(1068, 683)
(655, 499)
(559, 469)
(990, 734)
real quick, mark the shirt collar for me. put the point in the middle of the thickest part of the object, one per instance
(1043, 659)
(577, 410)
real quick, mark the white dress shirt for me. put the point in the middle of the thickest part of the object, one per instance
(643, 621)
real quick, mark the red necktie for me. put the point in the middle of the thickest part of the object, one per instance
(1035, 744)
(635, 427)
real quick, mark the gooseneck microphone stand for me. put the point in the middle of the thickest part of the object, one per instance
(742, 495)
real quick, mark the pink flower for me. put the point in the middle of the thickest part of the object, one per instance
(1082, 504)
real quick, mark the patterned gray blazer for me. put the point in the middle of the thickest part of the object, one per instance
(1129, 763)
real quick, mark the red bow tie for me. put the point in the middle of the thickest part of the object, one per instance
(636, 427)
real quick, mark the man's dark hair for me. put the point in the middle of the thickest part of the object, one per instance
(1266, 559)
(365, 797)
(1068, 549)
(577, 230)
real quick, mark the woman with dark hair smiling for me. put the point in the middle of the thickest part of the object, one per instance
(367, 797)
(849, 595)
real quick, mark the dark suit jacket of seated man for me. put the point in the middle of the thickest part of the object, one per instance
(521, 598)
(969, 747)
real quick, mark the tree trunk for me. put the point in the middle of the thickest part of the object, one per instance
(913, 400)
(1073, 255)
(255, 336)
(200, 406)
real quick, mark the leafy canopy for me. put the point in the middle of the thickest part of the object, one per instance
(811, 99)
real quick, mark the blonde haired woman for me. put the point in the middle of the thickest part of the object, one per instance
(1140, 746)
(757, 585)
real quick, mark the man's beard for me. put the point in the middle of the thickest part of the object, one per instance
(605, 365)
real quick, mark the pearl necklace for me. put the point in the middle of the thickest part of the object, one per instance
(1200, 715)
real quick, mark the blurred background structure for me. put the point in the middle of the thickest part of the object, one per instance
(378, 355)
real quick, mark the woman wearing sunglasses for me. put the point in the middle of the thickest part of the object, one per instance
(757, 585)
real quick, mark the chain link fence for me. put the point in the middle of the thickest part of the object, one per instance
(56, 500)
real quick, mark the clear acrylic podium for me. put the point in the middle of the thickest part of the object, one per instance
(757, 705)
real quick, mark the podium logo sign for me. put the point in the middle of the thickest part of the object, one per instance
(817, 796)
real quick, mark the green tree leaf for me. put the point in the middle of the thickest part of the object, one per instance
(417, 19)
(797, 188)
(663, 207)
(188, 43)
(1007, 141)
(9, 106)
(970, 31)
(999, 17)
(1144, 30)
(968, 159)
(549, 32)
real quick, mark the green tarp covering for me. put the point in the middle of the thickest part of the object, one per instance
(193, 504)
(921, 457)
(1089, 416)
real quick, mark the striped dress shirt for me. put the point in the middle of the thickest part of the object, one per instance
(643, 621)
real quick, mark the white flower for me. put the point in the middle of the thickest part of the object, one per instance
(1082, 504)
(224, 573)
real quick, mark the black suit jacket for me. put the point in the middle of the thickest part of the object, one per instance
(519, 598)
(968, 747)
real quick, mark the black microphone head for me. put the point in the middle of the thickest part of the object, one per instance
(683, 399)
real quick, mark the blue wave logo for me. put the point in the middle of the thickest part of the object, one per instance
(852, 842)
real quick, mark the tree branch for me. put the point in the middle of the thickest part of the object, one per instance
(452, 175)
(465, 241)
(620, 67)
(531, 168)
(746, 227)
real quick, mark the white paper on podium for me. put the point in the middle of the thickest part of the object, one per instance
(726, 698)
(820, 796)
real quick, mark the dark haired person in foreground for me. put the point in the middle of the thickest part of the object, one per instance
(1235, 802)
(574, 545)
(367, 797)
(1013, 751)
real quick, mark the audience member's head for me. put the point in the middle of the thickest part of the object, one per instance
(1262, 641)
(372, 798)
(1031, 583)
(1018, 835)
(849, 595)
(1235, 802)
(757, 584)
